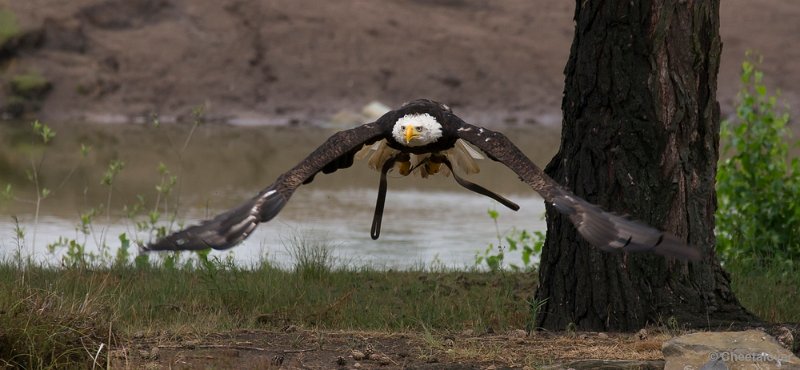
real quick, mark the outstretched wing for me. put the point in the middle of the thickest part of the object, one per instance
(228, 229)
(603, 229)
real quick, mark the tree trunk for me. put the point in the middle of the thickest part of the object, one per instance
(640, 137)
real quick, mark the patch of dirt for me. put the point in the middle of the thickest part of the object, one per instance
(294, 348)
(284, 61)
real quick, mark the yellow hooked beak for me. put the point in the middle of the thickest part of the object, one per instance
(411, 133)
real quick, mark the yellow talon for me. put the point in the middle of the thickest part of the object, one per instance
(432, 167)
(405, 168)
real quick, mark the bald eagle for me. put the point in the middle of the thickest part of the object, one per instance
(422, 136)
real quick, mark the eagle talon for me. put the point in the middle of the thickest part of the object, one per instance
(404, 168)
(432, 167)
(403, 161)
(434, 163)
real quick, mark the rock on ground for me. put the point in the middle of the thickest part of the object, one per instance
(752, 349)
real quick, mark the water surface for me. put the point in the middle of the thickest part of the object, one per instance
(426, 220)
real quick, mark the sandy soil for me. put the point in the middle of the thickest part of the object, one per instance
(285, 61)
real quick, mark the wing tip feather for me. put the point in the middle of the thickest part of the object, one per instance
(226, 230)
(609, 231)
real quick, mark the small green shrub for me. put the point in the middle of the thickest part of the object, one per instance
(76, 251)
(528, 244)
(758, 186)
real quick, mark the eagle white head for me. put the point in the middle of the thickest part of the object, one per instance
(417, 130)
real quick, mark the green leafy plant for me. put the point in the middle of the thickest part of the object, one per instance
(76, 255)
(19, 242)
(123, 254)
(46, 135)
(41, 138)
(144, 217)
(168, 187)
(758, 186)
(535, 308)
(528, 244)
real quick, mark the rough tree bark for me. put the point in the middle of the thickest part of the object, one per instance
(640, 137)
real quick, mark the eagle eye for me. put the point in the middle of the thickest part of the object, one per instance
(419, 128)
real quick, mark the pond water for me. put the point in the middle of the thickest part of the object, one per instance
(426, 220)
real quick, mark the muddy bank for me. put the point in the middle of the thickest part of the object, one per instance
(285, 61)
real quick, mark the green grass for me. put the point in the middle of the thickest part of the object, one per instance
(42, 327)
(55, 317)
(199, 300)
(64, 317)
(771, 293)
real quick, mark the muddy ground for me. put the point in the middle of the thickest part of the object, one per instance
(286, 61)
(294, 348)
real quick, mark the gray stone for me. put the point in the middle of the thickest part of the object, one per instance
(752, 349)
